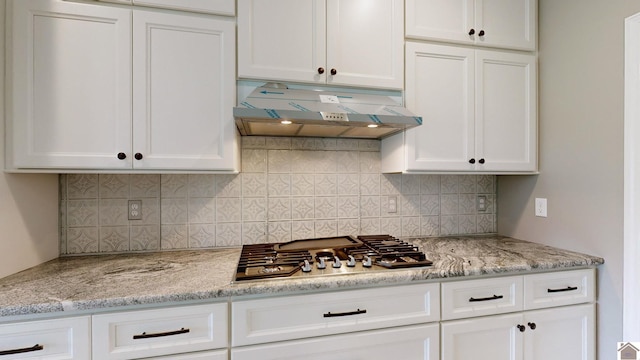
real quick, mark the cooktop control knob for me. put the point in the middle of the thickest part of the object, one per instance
(366, 262)
(306, 267)
(336, 262)
(352, 261)
(321, 264)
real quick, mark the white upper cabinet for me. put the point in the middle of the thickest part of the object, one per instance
(183, 91)
(81, 98)
(478, 108)
(496, 23)
(222, 7)
(70, 85)
(336, 42)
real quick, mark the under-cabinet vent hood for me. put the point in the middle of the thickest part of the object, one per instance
(275, 110)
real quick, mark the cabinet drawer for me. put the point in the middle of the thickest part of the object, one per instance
(283, 318)
(145, 333)
(469, 298)
(559, 288)
(48, 339)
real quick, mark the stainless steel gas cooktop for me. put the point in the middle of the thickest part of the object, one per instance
(327, 256)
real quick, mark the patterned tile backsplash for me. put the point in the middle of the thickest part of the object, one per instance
(289, 188)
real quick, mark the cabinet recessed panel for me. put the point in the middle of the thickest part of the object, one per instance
(495, 337)
(505, 117)
(224, 7)
(364, 42)
(561, 333)
(440, 19)
(440, 90)
(407, 342)
(507, 23)
(282, 39)
(181, 100)
(71, 85)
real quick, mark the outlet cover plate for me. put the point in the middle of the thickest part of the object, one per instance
(541, 207)
(135, 210)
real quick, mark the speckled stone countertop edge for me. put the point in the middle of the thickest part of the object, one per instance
(88, 285)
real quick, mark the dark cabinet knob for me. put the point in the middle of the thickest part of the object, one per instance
(138, 156)
(532, 326)
(122, 156)
(472, 31)
(481, 161)
(320, 70)
(521, 328)
(472, 161)
(334, 71)
(481, 33)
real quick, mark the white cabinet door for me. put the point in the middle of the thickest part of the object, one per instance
(183, 92)
(78, 102)
(341, 42)
(282, 40)
(408, 342)
(365, 43)
(448, 20)
(489, 338)
(440, 88)
(70, 92)
(60, 339)
(506, 23)
(222, 7)
(561, 333)
(496, 23)
(205, 355)
(550, 334)
(506, 112)
(478, 110)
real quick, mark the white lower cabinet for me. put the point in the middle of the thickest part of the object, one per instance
(563, 327)
(557, 333)
(206, 355)
(488, 338)
(544, 316)
(168, 331)
(59, 339)
(398, 322)
(407, 342)
(560, 333)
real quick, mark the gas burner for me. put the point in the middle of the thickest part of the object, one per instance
(327, 256)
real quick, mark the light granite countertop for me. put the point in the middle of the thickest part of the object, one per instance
(95, 283)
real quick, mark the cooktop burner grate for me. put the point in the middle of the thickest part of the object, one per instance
(327, 256)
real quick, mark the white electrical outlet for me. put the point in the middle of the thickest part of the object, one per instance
(541, 207)
(393, 204)
(482, 203)
(135, 210)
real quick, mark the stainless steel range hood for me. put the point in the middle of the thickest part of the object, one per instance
(275, 110)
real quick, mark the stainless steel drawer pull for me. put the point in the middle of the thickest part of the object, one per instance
(36, 347)
(494, 297)
(568, 288)
(348, 313)
(144, 335)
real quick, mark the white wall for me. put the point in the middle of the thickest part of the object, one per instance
(28, 206)
(581, 80)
